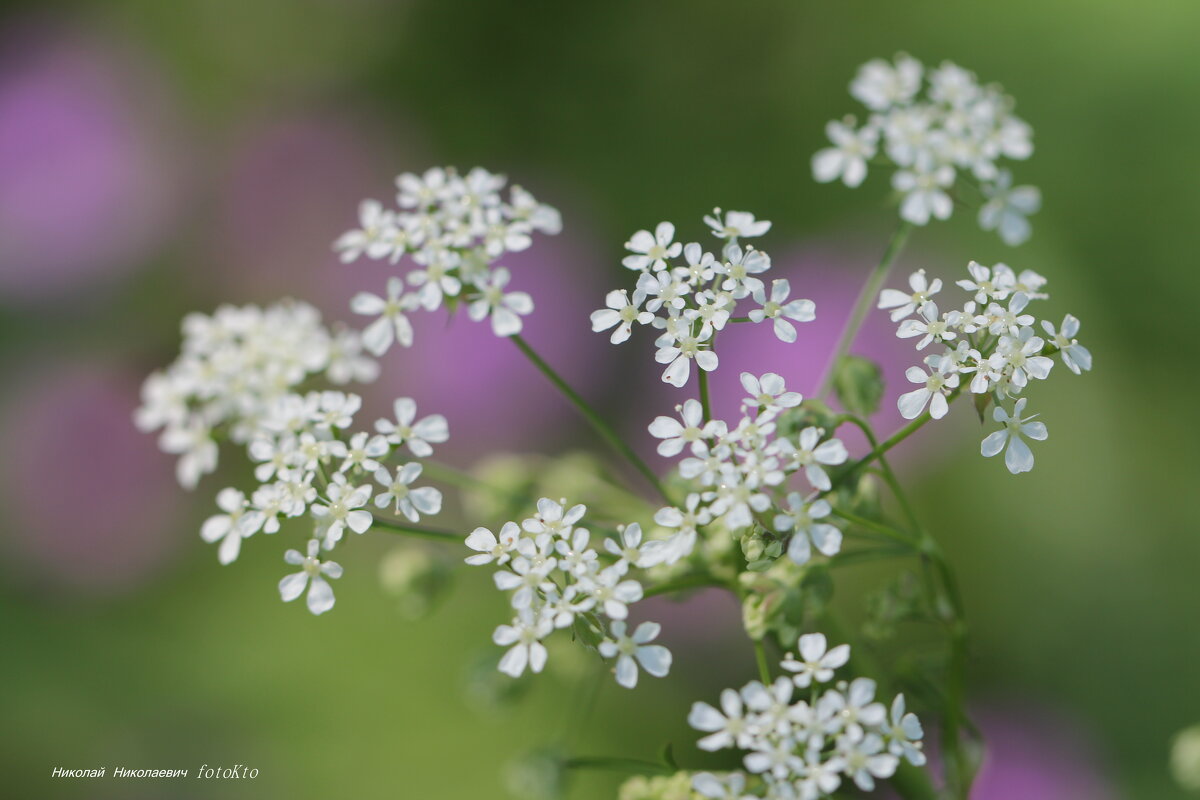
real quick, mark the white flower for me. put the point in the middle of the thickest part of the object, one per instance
(343, 509)
(528, 575)
(848, 157)
(924, 188)
(417, 435)
(629, 550)
(731, 786)
(651, 250)
(678, 354)
(576, 555)
(312, 574)
(929, 324)
(634, 650)
(612, 594)
(880, 85)
(866, 760)
(491, 547)
(238, 522)
(934, 387)
(904, 304)
(1021, 354)
(726, 728)
(622, 313)
(554, 518)
(525, 635)
(1073, 354)
(813, 455)
(361, 452)
(701, 265)
(780, 310)
(817, 660)
(505, 308)
(393, 324)
(905, 734)
(768, 393)
(1018, 457)
(691, 432)
(1008, 207)
(374, 221)
(737, 225)
(802, 519)
(435, 281)
(412, 503)
(986, 284)
(740, 266)
(333, 409)
(197, 451)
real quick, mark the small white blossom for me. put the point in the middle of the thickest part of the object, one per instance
(736, 225)
(651, 250)
(312, 575)
(411, 502)
(238, 522)
(1018, 457)
(525, 636)
(635, 650)
(415, 434)
(817, 661)
(393, 324)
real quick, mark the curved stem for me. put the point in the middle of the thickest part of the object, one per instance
(868, 294)
(704, 402)
(594, 419)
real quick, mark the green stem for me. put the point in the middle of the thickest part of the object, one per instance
(594, 419)
(760, 655)
(876, 527)
(866, 297)
(696, 581)
(704, 402)
(878, 450)
(417, 530)
(618, 764)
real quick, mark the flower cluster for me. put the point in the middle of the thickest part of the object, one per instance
(454, 228)
(955, 127)
(239, 376)
(799, 748)
(992, 342)
(558, 580)
(743, 471)
(234, 366)
(690, 301)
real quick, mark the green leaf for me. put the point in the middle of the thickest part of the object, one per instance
(668, 756)
(858, 383)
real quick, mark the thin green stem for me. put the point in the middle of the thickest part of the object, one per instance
(705, 405)
(876, 527)
(760, 655)
(594, 419)
(866, 297)
(682, 584)
(417, 530)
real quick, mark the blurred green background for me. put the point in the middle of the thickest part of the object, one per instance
(161, 157)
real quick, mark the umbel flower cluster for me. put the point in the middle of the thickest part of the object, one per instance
(558, 580)
(454, 228)
(939, 129)
(806, 748)
(775, 481)
(991, 344)
(241, 376)
(691, 300)
(743, 473)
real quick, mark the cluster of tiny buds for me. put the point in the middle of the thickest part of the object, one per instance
(991, 343)
(954, 131)
(555, 577)
(454, 228)
(691, 301)
(743, 471)
(805, 748)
